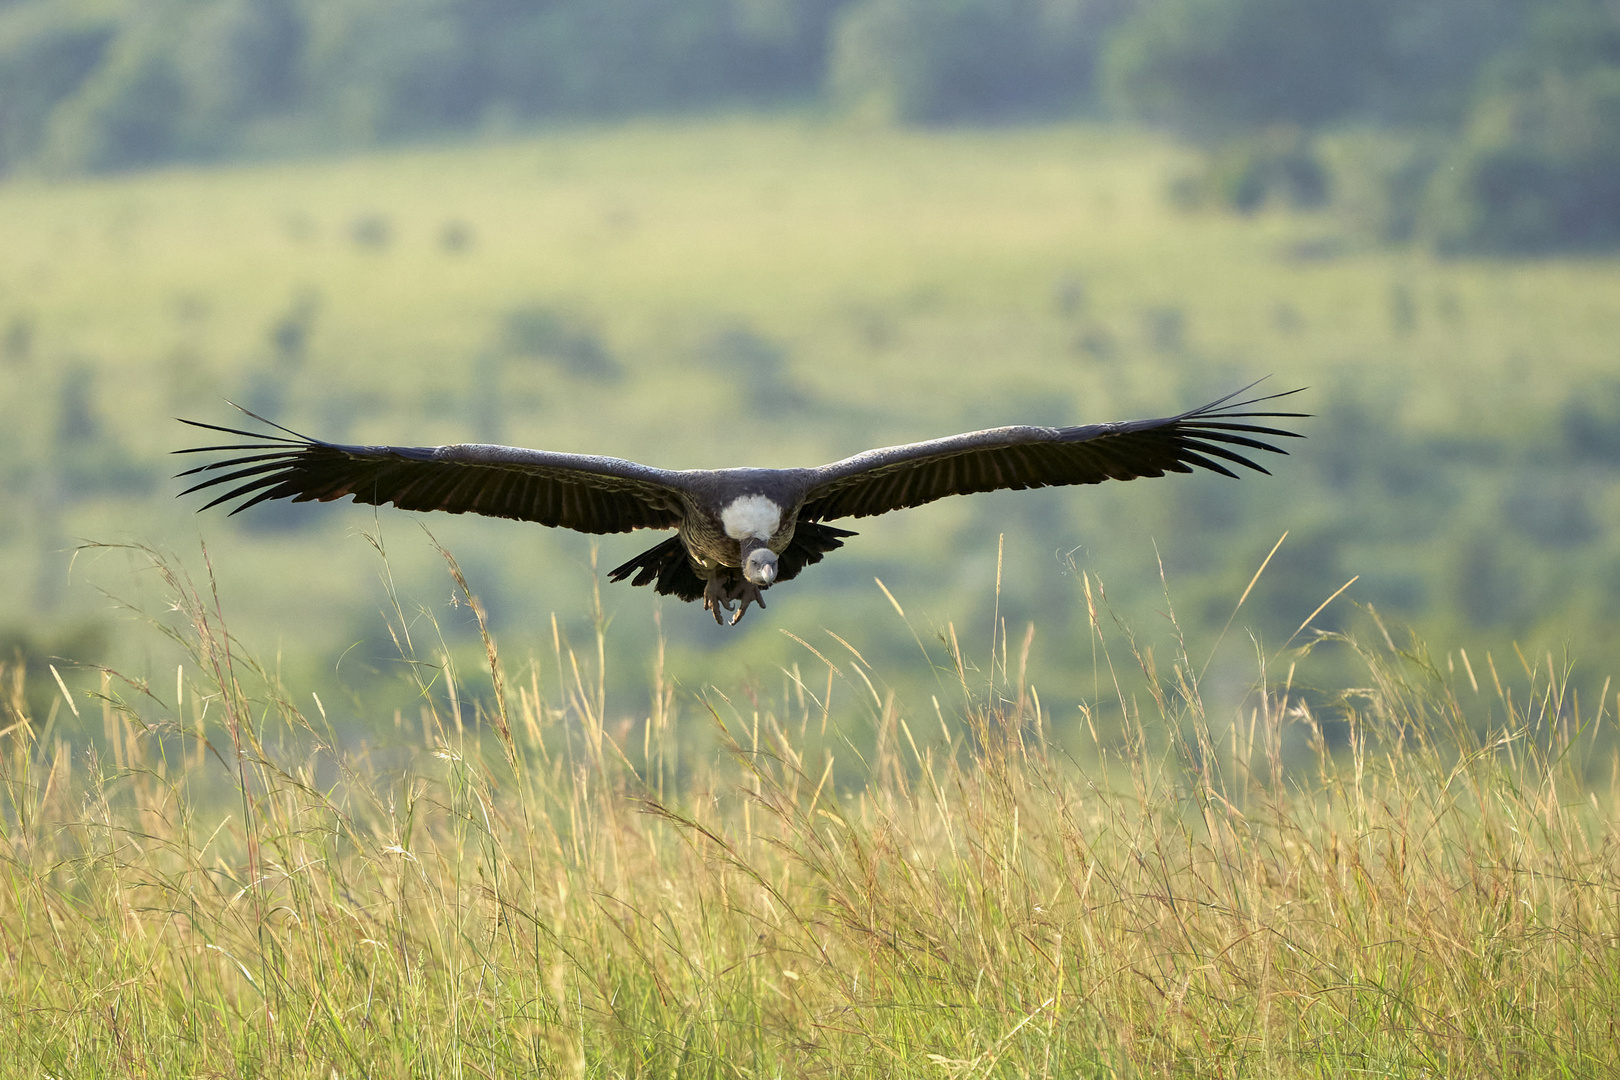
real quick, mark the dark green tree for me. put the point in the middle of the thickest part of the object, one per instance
(1537, 167)
(47, 51)
(95, 86)
(1212, 67)
(934, 61)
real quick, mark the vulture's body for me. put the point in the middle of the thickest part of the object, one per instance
(738, 531)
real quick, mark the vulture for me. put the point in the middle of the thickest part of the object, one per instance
(737, 531)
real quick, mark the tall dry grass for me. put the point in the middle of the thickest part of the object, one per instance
(220, 884)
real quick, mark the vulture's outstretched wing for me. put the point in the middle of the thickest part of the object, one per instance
(574, 491)
(1027, 457)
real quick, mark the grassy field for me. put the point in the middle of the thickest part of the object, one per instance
(776, 292)
(516, 883)
(1025, 809)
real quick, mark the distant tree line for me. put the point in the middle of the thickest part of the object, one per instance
(1488, 125)
(90, 85)
(1475, 125)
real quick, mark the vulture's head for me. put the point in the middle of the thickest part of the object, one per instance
(760, 566)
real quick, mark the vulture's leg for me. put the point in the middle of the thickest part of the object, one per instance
(717, 597)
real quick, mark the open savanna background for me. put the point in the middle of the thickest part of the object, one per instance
(1072, 792)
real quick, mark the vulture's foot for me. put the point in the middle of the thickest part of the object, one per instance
(747, 593)
(733, 596)
(717, 598)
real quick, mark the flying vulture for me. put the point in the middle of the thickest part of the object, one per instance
(738, 531)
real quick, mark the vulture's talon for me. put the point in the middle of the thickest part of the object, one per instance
(716, 598)
(748, 593)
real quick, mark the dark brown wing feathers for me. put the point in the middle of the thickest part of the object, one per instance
(1211, 437)
(594, 495)
(667, 567)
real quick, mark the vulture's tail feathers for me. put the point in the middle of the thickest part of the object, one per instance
(666, 567)
(811, 542)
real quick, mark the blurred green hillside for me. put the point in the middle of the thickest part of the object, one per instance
(1476, 125)
(777, 292)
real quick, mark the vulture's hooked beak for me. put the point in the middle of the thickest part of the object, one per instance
(760, 566)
